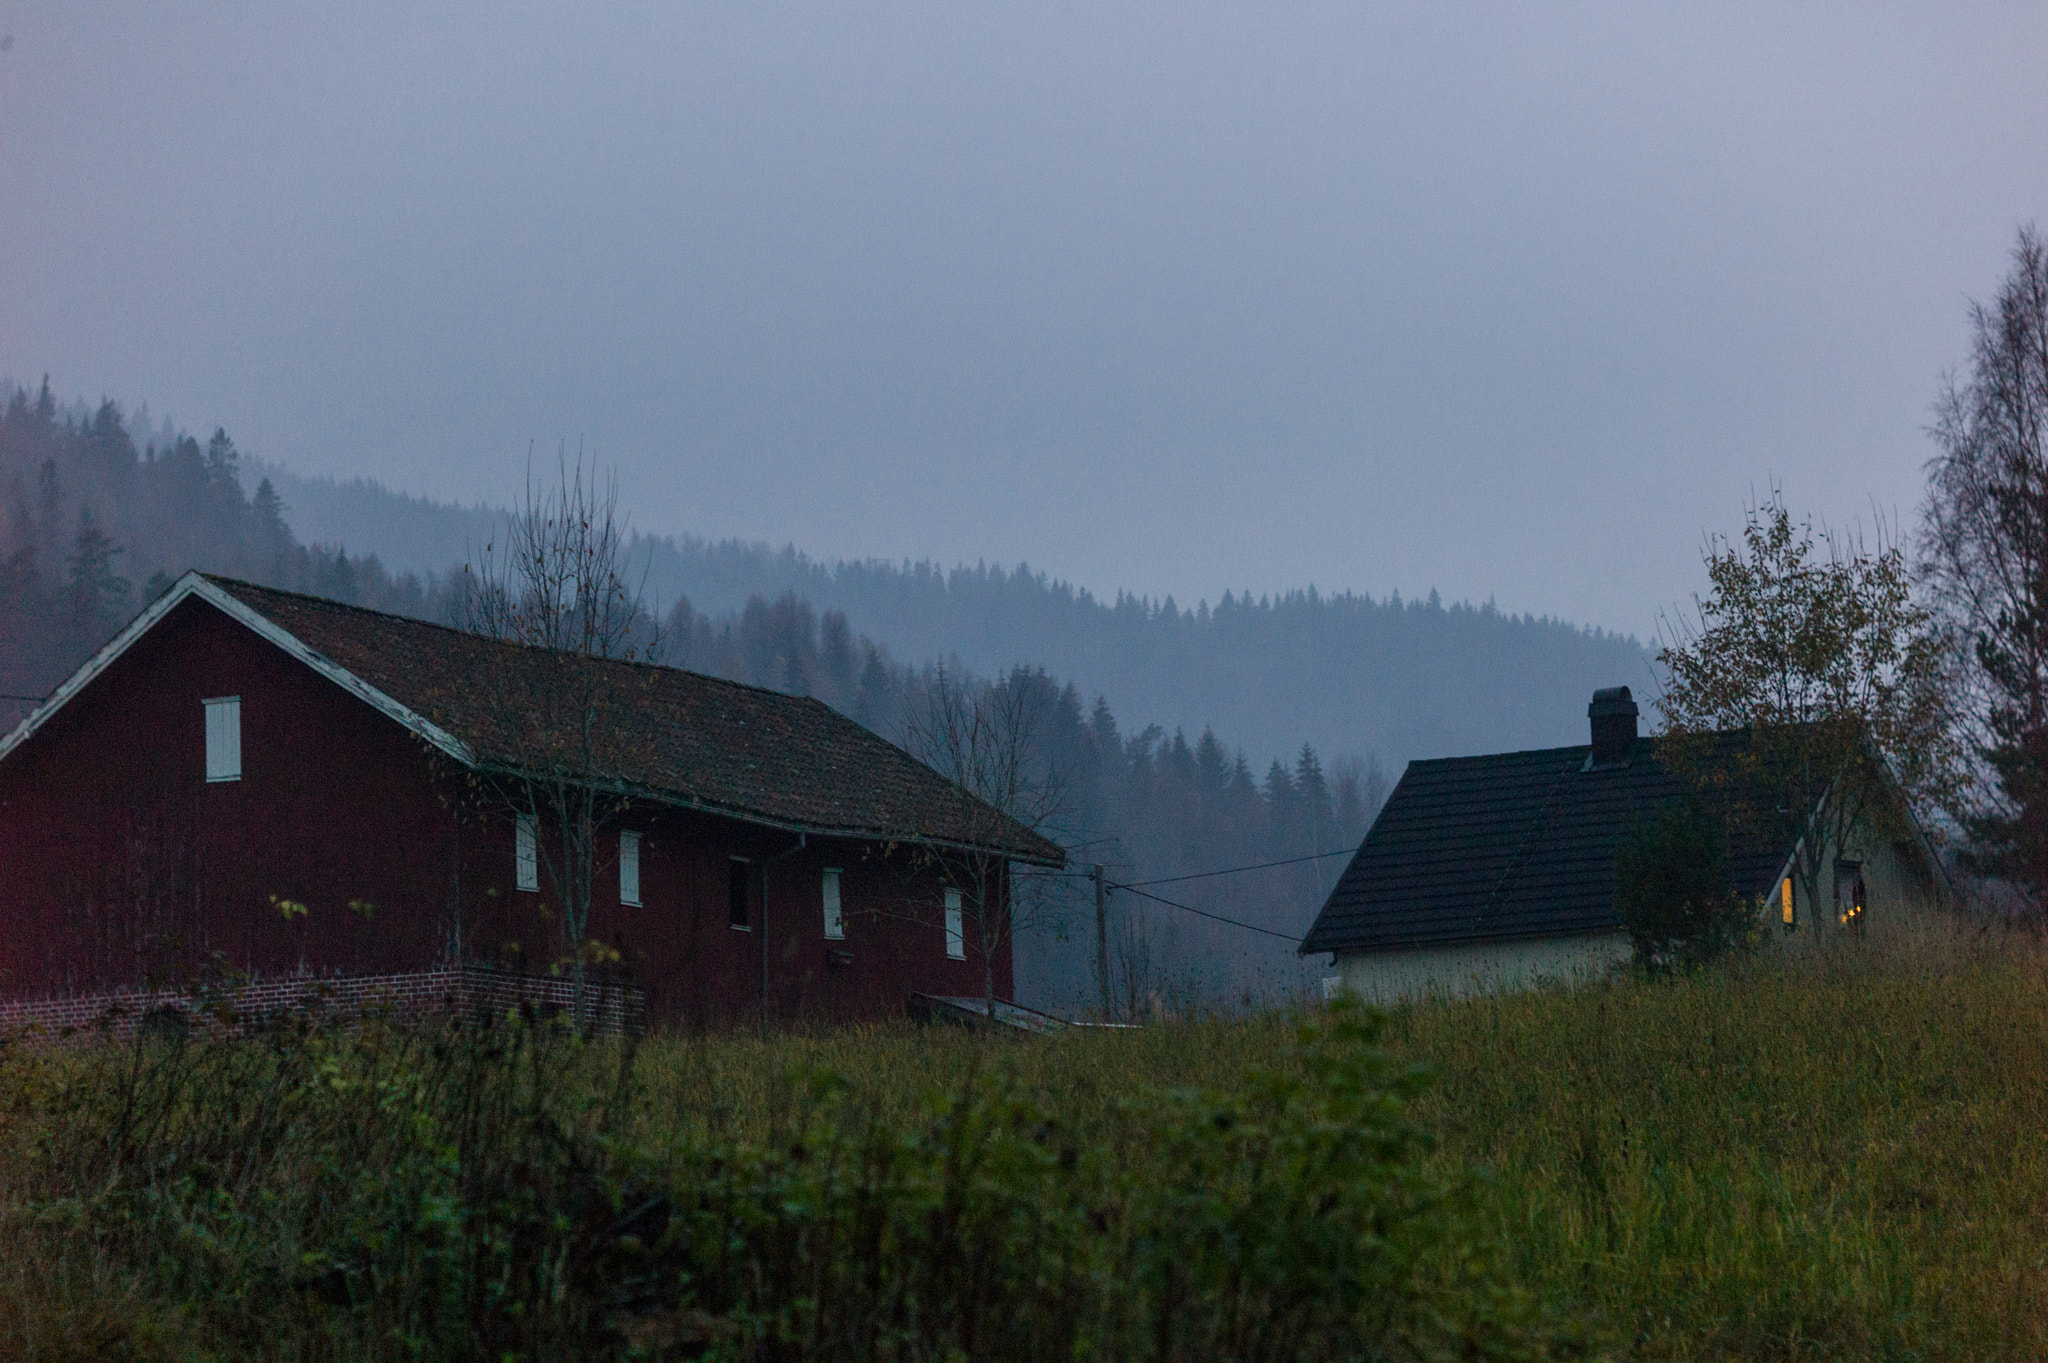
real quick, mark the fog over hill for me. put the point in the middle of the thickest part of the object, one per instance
(1249, 732)
(1348, 673)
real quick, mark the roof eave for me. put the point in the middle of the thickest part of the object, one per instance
(696, 804)
(1487, 940)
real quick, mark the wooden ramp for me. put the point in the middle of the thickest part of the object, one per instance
(974, 1010)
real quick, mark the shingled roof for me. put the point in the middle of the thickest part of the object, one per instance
(1507, 845)
(680, 737)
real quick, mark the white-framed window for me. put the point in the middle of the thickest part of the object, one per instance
(224, 738)
(835, 922)
(956, 927)
(629, 869)
(526, 852)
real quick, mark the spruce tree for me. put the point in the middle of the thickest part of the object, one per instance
(98, 595)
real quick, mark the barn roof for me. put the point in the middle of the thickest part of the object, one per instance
(680, 737)
(1506, 845)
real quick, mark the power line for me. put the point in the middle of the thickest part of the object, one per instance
(1233, 870)
(1204, 913)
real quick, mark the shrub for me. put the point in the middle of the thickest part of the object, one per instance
(1671, 890)
(445, 1194)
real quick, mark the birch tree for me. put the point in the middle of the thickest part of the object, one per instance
(1812, 646)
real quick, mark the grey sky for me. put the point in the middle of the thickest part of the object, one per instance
(1512, 301)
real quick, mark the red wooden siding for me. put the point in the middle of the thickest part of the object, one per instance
(119, 860)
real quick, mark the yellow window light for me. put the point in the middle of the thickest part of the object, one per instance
(1785, 898)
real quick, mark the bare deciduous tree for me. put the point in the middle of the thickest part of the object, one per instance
(988, 740)
(556, 583)
(1984, 556)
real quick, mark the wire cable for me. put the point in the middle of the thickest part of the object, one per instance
(1234, 870)
(1204, 913)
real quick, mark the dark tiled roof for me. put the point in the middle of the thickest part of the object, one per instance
(700, 741)
(1508, 845)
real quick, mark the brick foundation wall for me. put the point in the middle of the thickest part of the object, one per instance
(461, 992)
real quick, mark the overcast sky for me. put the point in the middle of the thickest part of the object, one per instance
(1513, 301)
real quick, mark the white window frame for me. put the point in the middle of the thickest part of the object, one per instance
(525, 853)
(629, 869)
(835, 917)
(956, 927)
(223, 738)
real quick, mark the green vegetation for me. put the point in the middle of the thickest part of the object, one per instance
(1829, 1159)
(1671, 890)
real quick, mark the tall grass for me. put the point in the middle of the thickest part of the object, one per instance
(513, 1192)
(1837, 1157)
(1834, 1157)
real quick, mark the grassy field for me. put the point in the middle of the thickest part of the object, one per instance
(1839, 1158)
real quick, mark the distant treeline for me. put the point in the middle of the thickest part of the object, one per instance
(94, 526)
(1347, 672)
(1143, 804)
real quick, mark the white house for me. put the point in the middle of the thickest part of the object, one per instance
(1498, 871)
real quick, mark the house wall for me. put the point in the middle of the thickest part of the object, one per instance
(1387, 977)
(118, 860)
(699, 971)
(120, 863)
(1902, 897)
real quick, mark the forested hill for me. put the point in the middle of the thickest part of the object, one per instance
(1253, 731)
(1348, 673)
(93, 527)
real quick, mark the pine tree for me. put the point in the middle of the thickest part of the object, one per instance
(1282, 822)
(223, 462)
(1102, 724)
(107, 444)
(98, 595)
(835, 654)
(1243, 789)
(1212, 766)
(874, 703)
(1313, 794)
(49, 497)
(273, 536)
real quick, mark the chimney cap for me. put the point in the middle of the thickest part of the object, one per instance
(1613, 713)
(1612, 700)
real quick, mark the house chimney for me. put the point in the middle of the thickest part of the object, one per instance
(1613, 713)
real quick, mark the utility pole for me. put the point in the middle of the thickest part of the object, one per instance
(1101, 937)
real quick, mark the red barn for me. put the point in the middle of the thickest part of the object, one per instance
(301, 790)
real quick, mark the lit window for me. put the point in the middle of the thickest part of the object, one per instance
(1850, 898)
(738, 910)
(956, 929)
(835, 924)
(525, 852)
(1785, 898)
(224, 739)
(629, 869)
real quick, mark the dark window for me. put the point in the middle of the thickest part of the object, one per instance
(1851, 897)
(739, 893)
